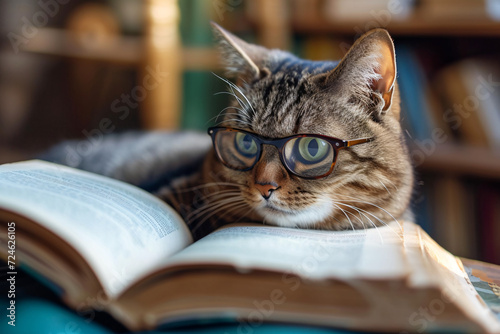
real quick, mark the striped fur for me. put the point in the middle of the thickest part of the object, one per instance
(277, 95)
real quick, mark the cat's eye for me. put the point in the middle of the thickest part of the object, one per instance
(304, 155)
(237, 150)
(245, 144)
(312, 149)
(308, 156)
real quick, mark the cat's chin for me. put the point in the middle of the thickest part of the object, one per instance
(304, 218)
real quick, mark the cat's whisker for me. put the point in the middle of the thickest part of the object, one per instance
(212, 205)
(246, 123)
(219, 196)
(208, 185)
(232, 107)
(358, 218)
(227, 206)
(336, 203)
(360, 211)
(239, 208)
(242, 104)
(343, 211)
(236, 117)
(225, 191)
(248, 104)
(220, 114)
(377, 218)
(244, 107)
(383, 185)
(217, 123)
(392, 184)
(238, 89)
(212, 199)
(240, 101)
(355, 200)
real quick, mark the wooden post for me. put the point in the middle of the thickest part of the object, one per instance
(162, 69)
(274, 26)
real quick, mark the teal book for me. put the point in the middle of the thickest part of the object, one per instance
(416, 110)
(199, 104)
(41, 316)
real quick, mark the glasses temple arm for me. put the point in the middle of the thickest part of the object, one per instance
(357, 141)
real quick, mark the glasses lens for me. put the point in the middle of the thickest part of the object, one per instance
(237, 150)
(309, 156)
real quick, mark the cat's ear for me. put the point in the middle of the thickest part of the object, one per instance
(241, 59)
(368, 70)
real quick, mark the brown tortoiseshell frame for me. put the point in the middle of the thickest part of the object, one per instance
(279, 143)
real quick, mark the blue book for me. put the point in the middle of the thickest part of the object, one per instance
(416, 111)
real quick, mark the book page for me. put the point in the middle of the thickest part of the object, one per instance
(122, 231)
(372, 253)
(454, 282)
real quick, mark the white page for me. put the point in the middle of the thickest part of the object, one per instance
(455, 283)
(372, 253)
(121, 230)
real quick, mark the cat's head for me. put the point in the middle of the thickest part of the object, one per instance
(277, 95)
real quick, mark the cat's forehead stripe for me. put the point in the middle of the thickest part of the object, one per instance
(280, 95)
(283, 91)
(304, 67)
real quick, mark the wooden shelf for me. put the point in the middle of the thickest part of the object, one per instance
(426, 18)
(124, 50)
(412, 26)
(59, 42)
(463, 160)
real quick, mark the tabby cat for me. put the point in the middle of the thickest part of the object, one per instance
(306, 144)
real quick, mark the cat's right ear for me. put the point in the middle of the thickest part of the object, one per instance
(367, 73)
(241, 59)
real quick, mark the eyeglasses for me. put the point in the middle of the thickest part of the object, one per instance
(304, 155)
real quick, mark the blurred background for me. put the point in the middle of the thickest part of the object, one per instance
(83, 69)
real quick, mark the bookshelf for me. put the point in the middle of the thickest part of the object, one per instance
(424, 17)
(416, 25)
(413, 26)
(451, 179)
(159, 46)
(464, 160)
(125, 50)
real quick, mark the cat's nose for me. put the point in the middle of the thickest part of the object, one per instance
(266, 189)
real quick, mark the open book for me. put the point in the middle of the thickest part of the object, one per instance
(105, 244)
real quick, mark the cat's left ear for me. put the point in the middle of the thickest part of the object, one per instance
(368, 70)
(241, 59)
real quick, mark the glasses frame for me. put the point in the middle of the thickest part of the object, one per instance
(279, 143)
